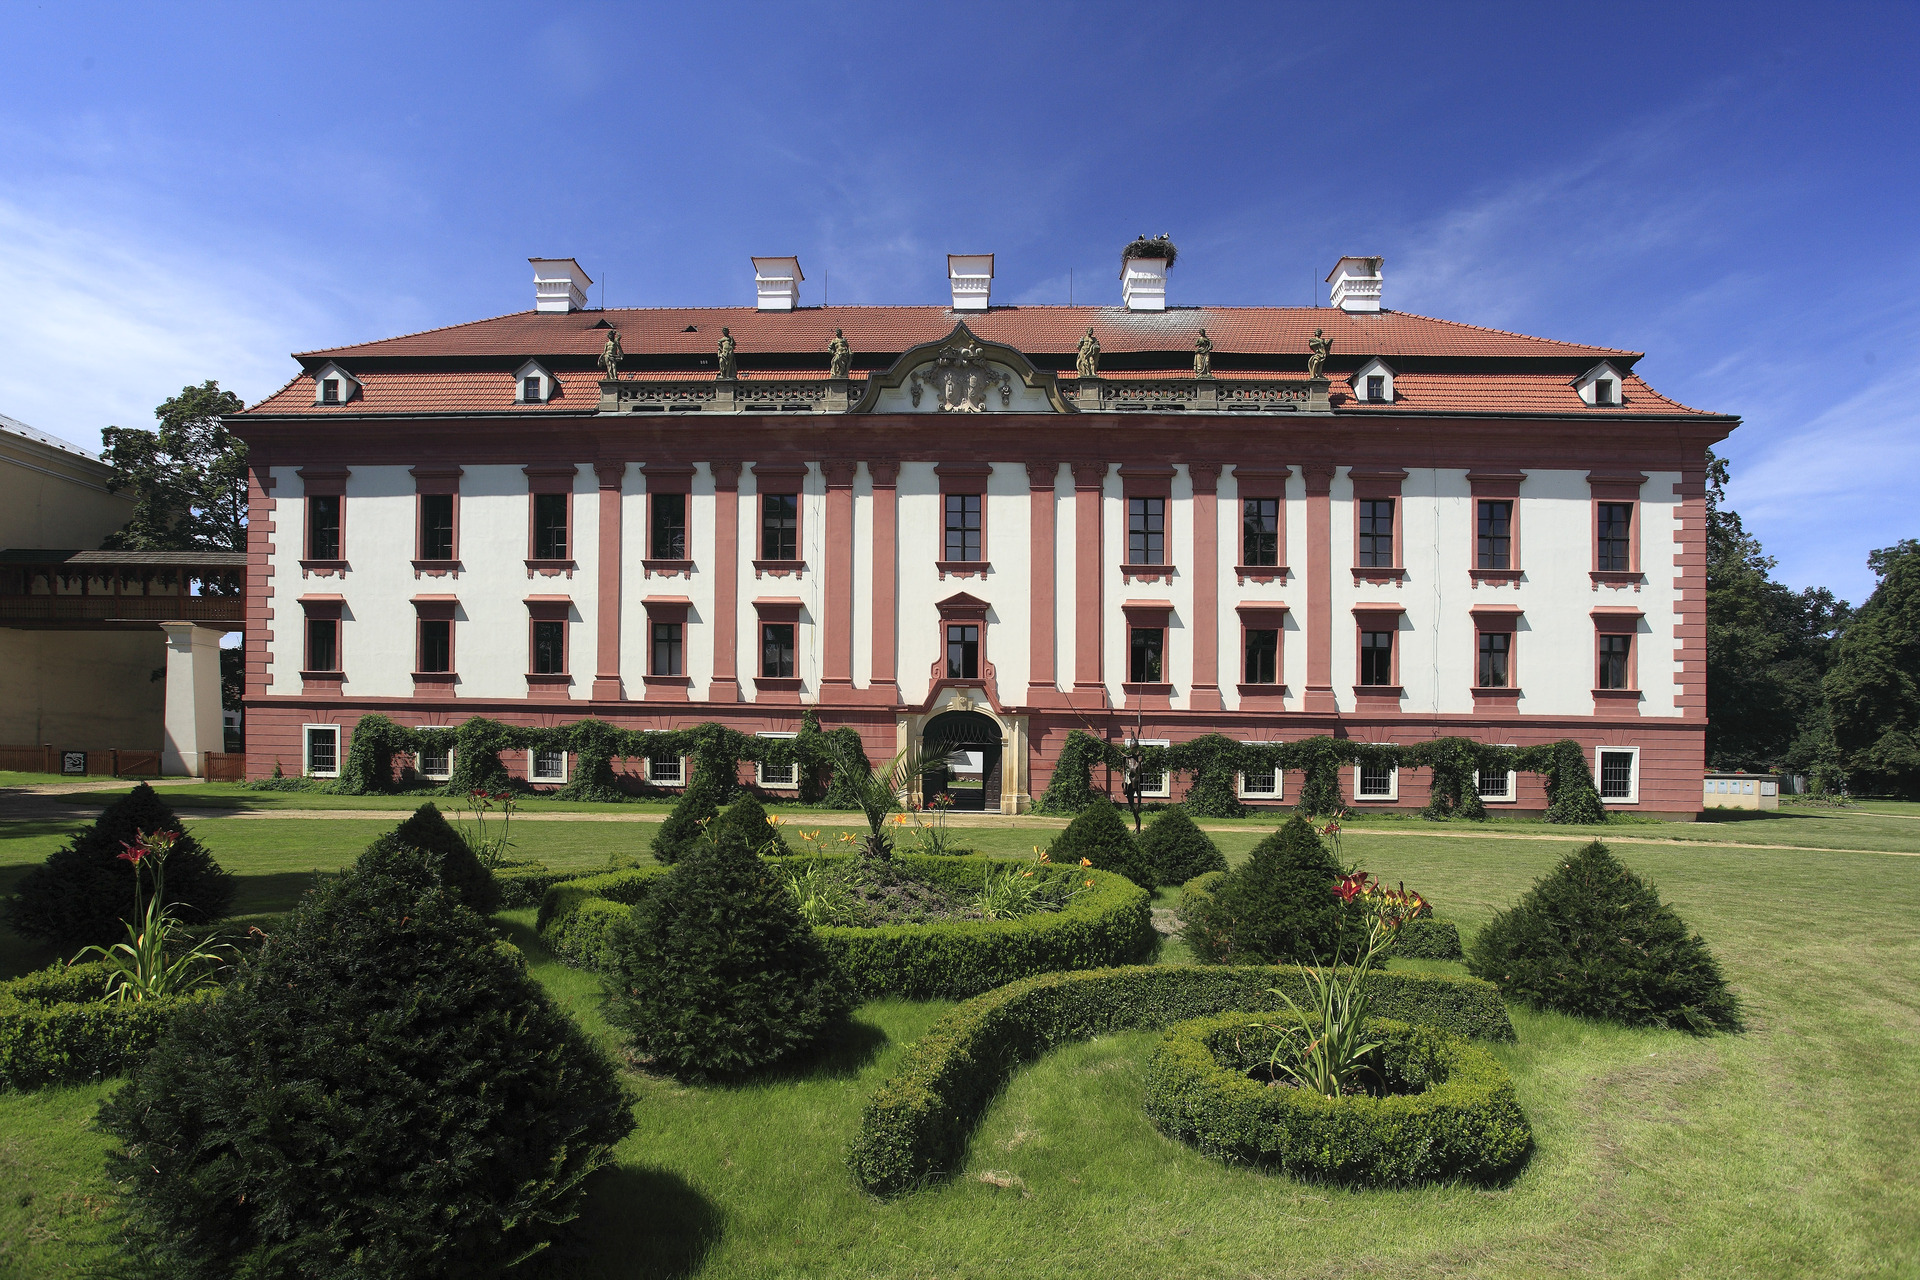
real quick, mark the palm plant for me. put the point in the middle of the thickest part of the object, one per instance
(880, 792)
(141, 967)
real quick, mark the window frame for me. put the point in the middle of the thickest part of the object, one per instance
(963, 480)
(339, 547)
(660, 504)
(1601, 655)
(533, 646)
(678, 643)
(1138, 483)
(760, 498)
(1633, 774)
(331, 625)
(680, 776)
(551, 481)
(549, 684)
(306, 750)
(1279, 794)
(661, 480)
(1140, 629)
(1610, 489)
(428, 489)
(1392, 795)
(1512, 793)
(1247, 634)
(1379, 485)
(792, 627)
(1493, 646)
(760, 769)
(947, 627)
(1251, 484)
(977, 530)
(533, 765)
(419, 765)
(1164, 791)
(422, 620)
(1483, 537)
(1377, 618)
(1247, 533)
(1147, 502)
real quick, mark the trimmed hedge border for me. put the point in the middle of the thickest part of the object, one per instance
(1428, 939)
(917, 1123)
(1107, 924)
(1460, 1119)
(524, 885)
(56, 1027)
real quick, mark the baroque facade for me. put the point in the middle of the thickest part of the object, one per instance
(1003, 524)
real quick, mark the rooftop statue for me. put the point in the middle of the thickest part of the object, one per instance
(727, 367)
(1088, 363)
(1203, 356)
(610, 355)
(840, 352)
(1319, 344)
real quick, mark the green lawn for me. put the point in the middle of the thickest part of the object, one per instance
(1790, 1150)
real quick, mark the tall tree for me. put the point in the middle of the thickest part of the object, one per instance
(1767, 648)
(1873, 690)
(188, 479)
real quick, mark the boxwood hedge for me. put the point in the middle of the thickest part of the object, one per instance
(917, 1123)
(56, 1027)
(1451, 1110)
(1425, 939)
(1107, 923)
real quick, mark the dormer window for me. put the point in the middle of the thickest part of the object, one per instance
(533, 384)
(333, 386)
(1376, 389)
(1603, 391)
(531, 388)
(329, 391)
(1600, 386)
(1373, 382)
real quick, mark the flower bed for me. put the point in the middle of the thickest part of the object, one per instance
(917, 1123)
(1106, 923)
(1445, 1108)
(56, 1027)
(1423, 939)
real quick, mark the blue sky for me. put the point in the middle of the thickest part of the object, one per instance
(191, 192)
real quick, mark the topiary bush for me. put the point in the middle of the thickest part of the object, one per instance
(1277, 907)
(698, 805)
(81, 894)
(749, 817)
(1176, 850)
(382, 1091)
(1594, 939)
(1099, 834)
(1427, 939)
(716, 974)
(453, 863)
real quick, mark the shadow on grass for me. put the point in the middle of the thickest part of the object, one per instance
(1762, 815)
(638, 1223)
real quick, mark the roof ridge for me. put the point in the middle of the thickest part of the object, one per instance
(1512, 333)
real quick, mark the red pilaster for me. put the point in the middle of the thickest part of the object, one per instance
(726, 582)
(1205, 694)
(1089, 481)
(606, 662)
(883, 686)
(1319, 691)
(1043, 681)
(836, 682)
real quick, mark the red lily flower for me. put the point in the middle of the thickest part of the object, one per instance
(134, 851)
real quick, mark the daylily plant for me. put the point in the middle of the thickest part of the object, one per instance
(142, 969)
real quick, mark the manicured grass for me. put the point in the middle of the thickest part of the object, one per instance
(1788, 1150)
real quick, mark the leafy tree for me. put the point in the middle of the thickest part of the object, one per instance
(188, 479)
(1767, 648)
(382, 1091)
(716, 973)
(1873, 690)
(1176, 850)
(1594, 939)
(1099, 834)
(1277, 907)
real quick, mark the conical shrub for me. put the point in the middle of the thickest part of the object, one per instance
(716, 973)
(749, 817)
(1594, 939)
(1099, 834)
(1277, 907)
(1176, 849)
(84, 891)
(697, 806)
(382, 1091)
(452, 861)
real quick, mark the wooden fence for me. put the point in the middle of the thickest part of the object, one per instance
(116, 762)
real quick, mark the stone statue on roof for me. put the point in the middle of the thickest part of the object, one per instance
(610, 355)
(840, 353)
(1087, 365)
(1203, 356)
(728, 369)
(1319, 344)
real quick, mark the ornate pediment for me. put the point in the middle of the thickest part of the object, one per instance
(963, 374)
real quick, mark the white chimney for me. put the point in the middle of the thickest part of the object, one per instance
(1356, 284)
(559, 284)
(776, 283)
(971, 275)
(1143, 283)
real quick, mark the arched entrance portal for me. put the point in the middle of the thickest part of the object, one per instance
(953, 732)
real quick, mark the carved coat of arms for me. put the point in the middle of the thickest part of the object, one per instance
(960, 380)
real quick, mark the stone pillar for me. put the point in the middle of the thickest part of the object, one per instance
(606, 663)
(836, 681)
(1043, 680)
(726, 582)
(1205, 695)
(192, 722)
(884, 686)
(1319, 692)
(1089, 496)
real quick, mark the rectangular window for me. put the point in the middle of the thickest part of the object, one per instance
(1376, 657)
(779, 526)
(1494, 648)
(549, 526)
(1376, 388)
(323, 750)
(1145, 645)
(530, 387)
(669, 526)
(548, 766)
(1619, 775)
(433, 761)
(323, 644)
(776, 650)
(330, 391)
(1616, 669)
(1376, 782)
(963, 526)
(436, 644)
(777, 776)
(668, 652)
(436, 526)
(963, 651)
(1155, 784)
(1376, 533)
(323, 527)
(1263, 656)
(549, 648)
(666, 771)
(1262, 784)
(1496, 535)
(1146, 530)
(1603, 391)
(1495, 786)
(1260, 531)
(1614, 543)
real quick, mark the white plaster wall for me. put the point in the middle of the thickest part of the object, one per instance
(864, 581)
(1065, 583)
(289, 516)
(1177, 655)
(807, 639)
(1290, 590)
(922, 531)
(1009, 588)
(1660, 530)
(491, 641)
(636, 640)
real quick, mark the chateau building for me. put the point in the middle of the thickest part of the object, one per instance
(987, 526)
